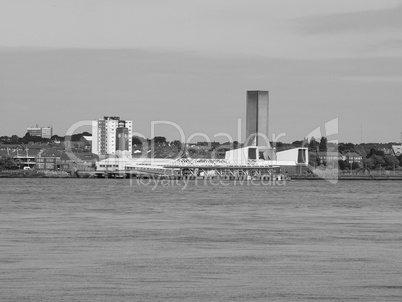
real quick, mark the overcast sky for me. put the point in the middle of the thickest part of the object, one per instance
(191, 62)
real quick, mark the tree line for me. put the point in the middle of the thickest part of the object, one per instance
(27, 138)
(374, 155)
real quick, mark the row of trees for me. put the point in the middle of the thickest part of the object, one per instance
(160, 147)
(374, 156)
(7, 163)
(377, 159)
(313, 145)
(27, 138)
(387, 162)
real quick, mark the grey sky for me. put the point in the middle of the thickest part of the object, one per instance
(191, 62)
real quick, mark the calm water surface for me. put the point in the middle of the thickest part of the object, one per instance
(107, 240)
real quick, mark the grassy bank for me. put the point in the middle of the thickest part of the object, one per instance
(34, 174)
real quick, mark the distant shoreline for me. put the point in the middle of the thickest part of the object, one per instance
(349, 177)
(35, 174)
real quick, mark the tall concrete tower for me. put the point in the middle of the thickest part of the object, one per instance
(122, 137)
(257, 119)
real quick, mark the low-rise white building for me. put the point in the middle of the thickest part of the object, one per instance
(289, 158)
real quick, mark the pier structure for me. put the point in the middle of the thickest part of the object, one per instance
(190, 168)
(220, 168)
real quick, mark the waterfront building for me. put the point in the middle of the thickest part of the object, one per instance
(291, 161)
(328, 156)
(111, 135)
(353, 157)
(46, 163)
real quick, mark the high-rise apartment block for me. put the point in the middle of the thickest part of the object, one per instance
(44, 132)
(111, 134)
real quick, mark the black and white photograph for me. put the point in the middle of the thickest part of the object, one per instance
(188, 150)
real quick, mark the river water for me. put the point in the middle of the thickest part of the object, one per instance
(122, 240)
